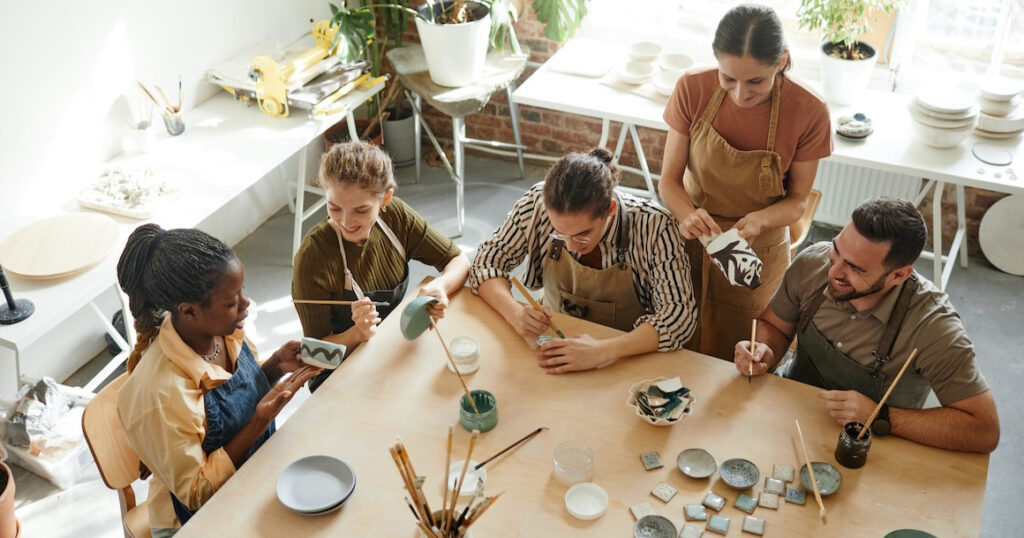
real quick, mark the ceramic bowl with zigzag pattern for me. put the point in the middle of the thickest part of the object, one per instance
(322, 354)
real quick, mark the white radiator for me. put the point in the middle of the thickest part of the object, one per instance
(844, 186)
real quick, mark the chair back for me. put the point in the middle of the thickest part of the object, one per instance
(116, 460)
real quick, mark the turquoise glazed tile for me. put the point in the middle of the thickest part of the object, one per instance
(795, 495)
(718, 524)
(690, 532)
(774, 485)
(695, 512)
(769, 500)
(714, 501)
(753, 525)
(746, 503)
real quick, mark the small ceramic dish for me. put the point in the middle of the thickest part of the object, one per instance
(665, 82)
(739, 473)
(634, 403)
(696, 463)
(586, 501)
(415, 318)
(472, 481)
(316, 485)
(643, 51)
(999, 89)
(999, 108)
(634, 72)
(654, 527)
(941, 138)
(827, 476)
(326, 355)
(675, 62)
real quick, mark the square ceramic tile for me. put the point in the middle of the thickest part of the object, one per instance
(664, 492)
(774, 485)
(718, 524)
(753, 525)
(651, 460)
(768, 500)
(690, 532)
(714, 501)
(695, 512)
(795, 495)
(783, 472)
(746, 503)
(641, 510)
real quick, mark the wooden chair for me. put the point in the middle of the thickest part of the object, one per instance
(116, 460)
(799, 229)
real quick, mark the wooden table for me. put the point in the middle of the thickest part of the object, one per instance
(392, 387)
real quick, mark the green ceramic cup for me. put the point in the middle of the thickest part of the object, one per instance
(487, 404)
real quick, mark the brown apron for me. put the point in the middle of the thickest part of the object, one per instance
(729, 183)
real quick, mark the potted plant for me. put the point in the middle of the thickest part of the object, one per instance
(847, 63)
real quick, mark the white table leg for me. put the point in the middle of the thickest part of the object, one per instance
(513, 111)
(459, 139)
(643, 161)
(352, 134)
(416, 130)
(115, 362)
(961, 219)
(287, 190)
(605, 127)
(937, 234)
(621, 143)
(300, 197)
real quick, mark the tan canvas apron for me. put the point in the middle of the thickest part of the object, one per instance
(604, 296)
(729, 183)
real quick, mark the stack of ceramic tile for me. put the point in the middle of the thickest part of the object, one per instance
(1002, 112)
(943, 118)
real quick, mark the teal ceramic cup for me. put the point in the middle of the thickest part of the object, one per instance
(484, 421)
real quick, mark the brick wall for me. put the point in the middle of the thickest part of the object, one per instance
(553, 133)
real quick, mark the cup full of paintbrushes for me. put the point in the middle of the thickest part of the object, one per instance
(174, 122)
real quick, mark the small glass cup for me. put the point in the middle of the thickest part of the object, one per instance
(175, 123)
(574, 463)
(465, 354)
(486, 419)
(850, 452)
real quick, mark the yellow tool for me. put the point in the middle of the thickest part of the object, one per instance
(271, 79)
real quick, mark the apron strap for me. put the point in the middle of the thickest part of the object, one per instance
(622, 235)
(774, 121)
(883, 352)
(350, 281)
(712, 108)
(807, 314)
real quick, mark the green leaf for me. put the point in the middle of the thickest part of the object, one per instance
(561, 18)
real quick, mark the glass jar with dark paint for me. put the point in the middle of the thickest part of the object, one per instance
(850, 452)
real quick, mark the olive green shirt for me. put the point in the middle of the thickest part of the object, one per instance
(376, 265)
(945, 361)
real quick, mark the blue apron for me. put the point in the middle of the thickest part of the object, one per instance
(229, 406)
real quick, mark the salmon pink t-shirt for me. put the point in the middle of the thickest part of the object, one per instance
(803, 133)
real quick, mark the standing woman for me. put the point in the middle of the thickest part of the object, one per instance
(196, 403)
(742, 152)
(362, 251)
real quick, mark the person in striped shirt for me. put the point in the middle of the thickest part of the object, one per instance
(598, 254)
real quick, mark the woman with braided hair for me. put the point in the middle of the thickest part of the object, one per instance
(196, 403)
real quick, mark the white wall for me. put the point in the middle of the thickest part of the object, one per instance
(67, 66)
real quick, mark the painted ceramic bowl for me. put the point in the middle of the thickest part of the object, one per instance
(696, 463)
(415, 318)
(634, 403)
(654, 527)
(326, 355)
(828, 478)
(739, 473)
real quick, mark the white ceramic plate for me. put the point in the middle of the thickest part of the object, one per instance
(969, 113)
(947, 101)
(315, 484)
(634, 72)
(1001, 234)
(586, 500)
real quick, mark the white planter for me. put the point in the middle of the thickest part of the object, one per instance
(455, 53)
(842, 81)
(400, 140)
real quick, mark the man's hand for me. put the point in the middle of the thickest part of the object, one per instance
(762, 357)
(847, 405)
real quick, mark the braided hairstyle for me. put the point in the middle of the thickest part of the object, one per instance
(582, 182)
(160, 269)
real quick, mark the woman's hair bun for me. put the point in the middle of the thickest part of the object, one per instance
(601, 153)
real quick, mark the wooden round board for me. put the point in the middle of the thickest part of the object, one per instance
(59, 246)
(1001, 234)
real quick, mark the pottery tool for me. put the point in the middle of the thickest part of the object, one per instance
(753, 335)
(533, 303)
(455, 368)
(337, 303)
(885, 397)
(447, 466)
(525, 438)
(810, 471)
(165, 107)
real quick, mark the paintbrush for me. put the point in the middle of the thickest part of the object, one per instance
(455, 368)
(533, 303)
(181, 94)
(526, 438)
(810, 471)
(753, 335)
(479, 511)
(465, 467)
(337, 303)
(444, 491)
(881, 402)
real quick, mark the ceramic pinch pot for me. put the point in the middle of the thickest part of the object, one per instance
(828, 478)
(634, 72)
(634, 402)
(675, 63)
(738, 473)
(696, 463)
(415, 317)
(665, 82)
(486, 404)
(941, 138)
(654, 527)
(322, 354)
(643, 51)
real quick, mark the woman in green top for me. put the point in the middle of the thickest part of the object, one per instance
(361, 252)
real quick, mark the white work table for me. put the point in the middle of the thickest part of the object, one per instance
(226, 148)
(892, 147)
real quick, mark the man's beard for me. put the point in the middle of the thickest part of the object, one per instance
(856, 294)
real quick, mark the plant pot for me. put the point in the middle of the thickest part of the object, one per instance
(455, 53)
(9, 527)
(338, 133)
(842, 81)
(400, 140)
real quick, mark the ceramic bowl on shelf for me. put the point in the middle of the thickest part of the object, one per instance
(941, 138)
(665, 82)
(999, 108)
(1004, 124)
(675, 62)
(932, 121)
(944, 100)
(1000, 89)
(643, 51)
(634, 72)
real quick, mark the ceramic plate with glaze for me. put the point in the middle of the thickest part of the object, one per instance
(316, 484)
(827, 477)
(739, 473)
(415, 318)
(696, 463)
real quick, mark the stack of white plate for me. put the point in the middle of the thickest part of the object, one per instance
(943, 117)
(316, 485)
(1002, 115)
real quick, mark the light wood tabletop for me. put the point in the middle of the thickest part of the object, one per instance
(390, 387)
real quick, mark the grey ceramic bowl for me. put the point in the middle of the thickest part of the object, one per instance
(828, 478)
(654, 527)
(739, 473)
(696, 463)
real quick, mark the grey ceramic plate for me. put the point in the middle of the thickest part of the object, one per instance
(696, 463)
(739, 473)
(909, 533)
(827, 476)
(654, 527)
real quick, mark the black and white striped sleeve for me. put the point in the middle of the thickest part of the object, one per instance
(508, 245)
(665, 274)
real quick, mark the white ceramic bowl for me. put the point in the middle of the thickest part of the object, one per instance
(940, 138)
(999, 108)
(657, 421)
(967, 114)
(586, 500)
(1007, 124)
(1000, 89)
(665, 82)
(920, 117)
(675, 62)
(634, 72)
(643, 51)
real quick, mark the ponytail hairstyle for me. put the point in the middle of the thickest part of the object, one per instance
(160, 269)
(582, 182)
(755, 30)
